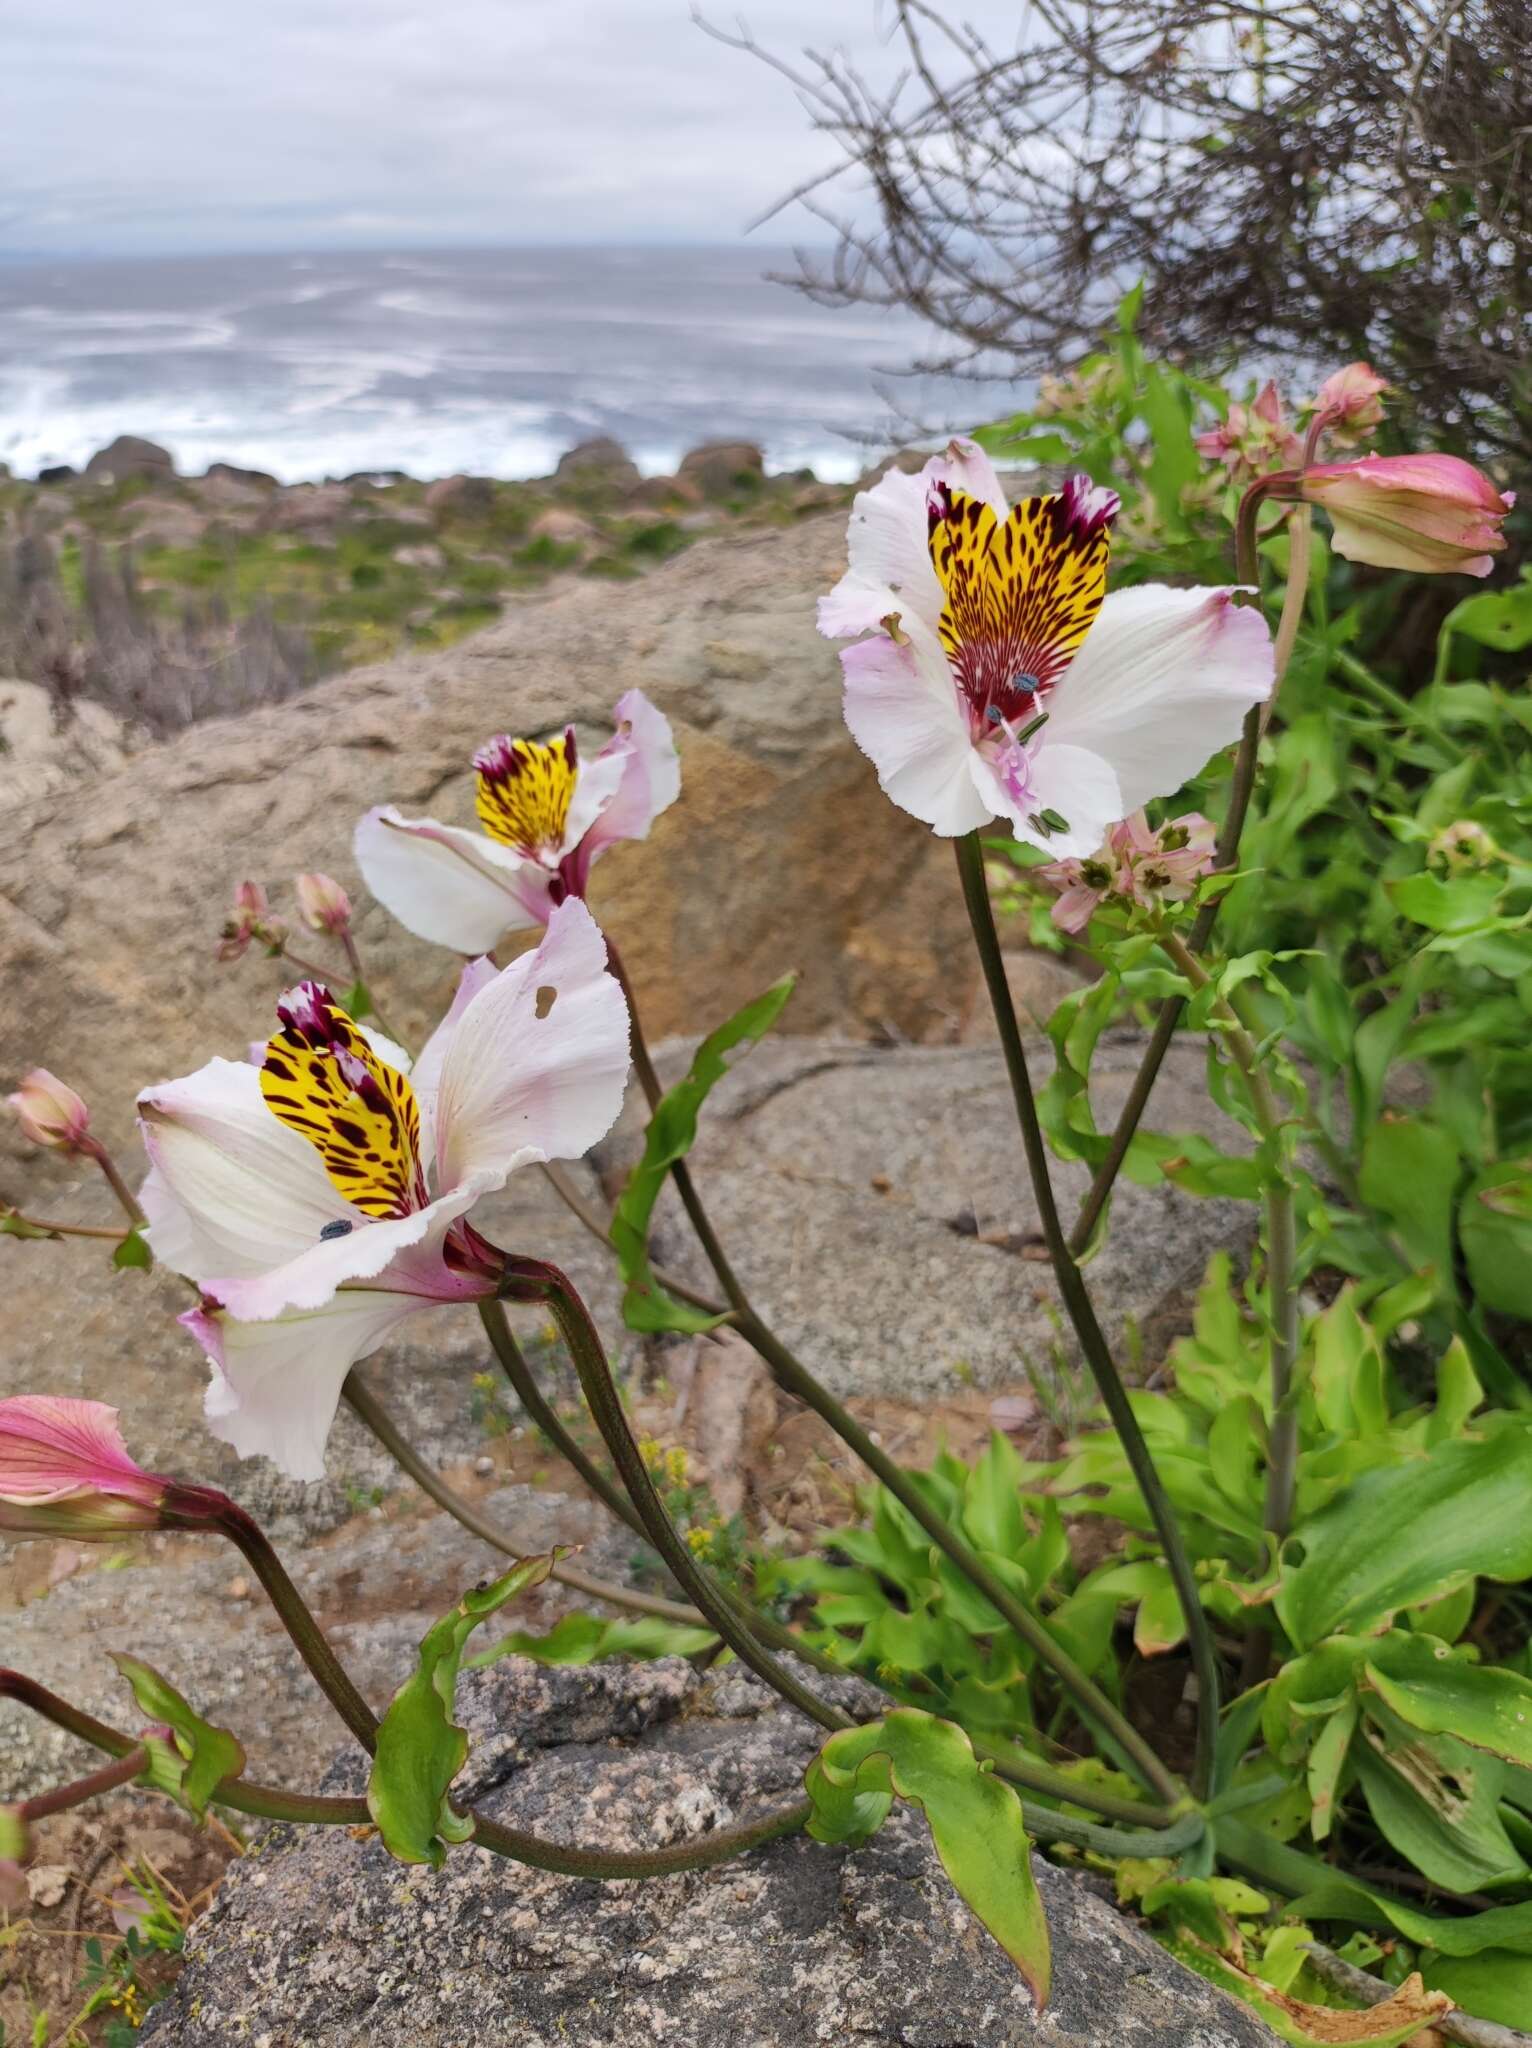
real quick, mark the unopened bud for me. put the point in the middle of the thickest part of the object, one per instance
(323, 905)
(65, 1471)
(49, 1112)
(1352, 399)
(1431, 513)
(249, 919)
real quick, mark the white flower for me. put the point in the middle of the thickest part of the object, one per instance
(320, 1198)
(546, 815)
(1001, 681)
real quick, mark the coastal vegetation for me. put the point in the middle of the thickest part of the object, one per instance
(1251, 1634)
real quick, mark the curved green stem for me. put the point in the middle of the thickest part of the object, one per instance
(269, 1803)
(94, 1149)
(606, 1408)
(1281, 1282)
(372, 1412)
(1082, 1314)
(540, 1410)
(517, 1370)
(250, 1539)
(107, 1779)
(680, 1172)
(795, 1378)
(1225, 853)
(701, 1853)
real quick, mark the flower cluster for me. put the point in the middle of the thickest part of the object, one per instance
(1254, 439)
(1136, 864)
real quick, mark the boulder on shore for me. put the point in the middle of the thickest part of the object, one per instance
(461, 497)
(129, 456)
(602, 461)
(721, 469)
(318, 1937)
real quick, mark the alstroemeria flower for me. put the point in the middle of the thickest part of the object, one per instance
(1137, 864)
(65, 1470)
(546, 815)
(321, 1198)
(1433, 513)
(1001, 681)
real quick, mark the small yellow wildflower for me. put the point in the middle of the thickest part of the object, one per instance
(675, 1466)
(699, 1540)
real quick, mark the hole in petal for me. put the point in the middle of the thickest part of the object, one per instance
(546, 998)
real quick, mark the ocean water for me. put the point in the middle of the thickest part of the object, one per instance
(492, 361)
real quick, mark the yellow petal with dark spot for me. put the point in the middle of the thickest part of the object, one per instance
(524, 791)
(323, 1080)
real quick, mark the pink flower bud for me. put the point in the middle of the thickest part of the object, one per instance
(323, 905)
(49, 1113)
(1432, 513)
(65, 1471)
(1352, 399)
(249, 919)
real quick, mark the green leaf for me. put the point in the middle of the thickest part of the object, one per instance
(1435, 1804)
(1347, 1378)
(209, 1756)
(974, 1818)
(1327, 1759)
(1407, 1533)
(1495, 1225)
(1447, 906)
(1174, 464)
(133, 1252)
(421, 1748)
(672, 1132)
(992, 1513)
(1409, 1172)
(1493, 1986)
(358, 1003)
(1499, 618)
(582, 1638)
(1482, 1705)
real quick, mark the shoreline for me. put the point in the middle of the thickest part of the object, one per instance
(166, 599)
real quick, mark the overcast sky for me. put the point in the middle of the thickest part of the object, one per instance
(227, 124)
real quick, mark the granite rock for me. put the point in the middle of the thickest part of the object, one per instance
(321, 1938)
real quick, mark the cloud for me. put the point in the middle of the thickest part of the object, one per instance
(312, 123)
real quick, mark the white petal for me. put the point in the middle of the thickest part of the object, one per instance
(886, 543)
(1072, 782)
(455, 888)
(1163, 681)
(890, 566)
(232, 1191)
(276, 1385)
(427, 1074)
(903, 710)
(538, 1061)
(597, 782)
(373, 1247)
(651, 773)
(964, 465)
(389, 1050)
